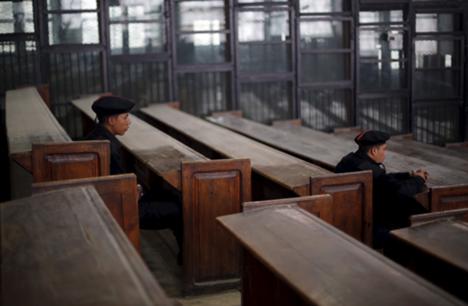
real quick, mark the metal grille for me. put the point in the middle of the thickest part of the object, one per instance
(266, 101)
(70, 118)
(205, 92)
(74, 74)
(19, 64)
(386, 113)
(324, 109)
(436, 122)
(144, 82)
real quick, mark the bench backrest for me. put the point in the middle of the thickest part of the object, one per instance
(61, 161)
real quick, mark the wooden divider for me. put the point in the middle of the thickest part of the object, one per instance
(119, 193)
(61, 161)
(209, 190)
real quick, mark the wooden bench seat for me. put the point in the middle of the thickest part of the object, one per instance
(39, 147)
(64, 248)
(119, 193)
(436, 250)
(448, 187)
(293, 258)
(207, 188)
(275, 174)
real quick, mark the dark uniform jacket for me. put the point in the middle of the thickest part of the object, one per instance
(393, 193)
(101, 133)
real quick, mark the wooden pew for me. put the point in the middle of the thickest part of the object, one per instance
(119, 193)
(327, 150)
(208, 189)
(437, 250)
(291, 257)
(275, 174)
(41, 150)
(64, 248)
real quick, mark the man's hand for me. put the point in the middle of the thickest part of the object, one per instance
(140, 191)
(421, 173)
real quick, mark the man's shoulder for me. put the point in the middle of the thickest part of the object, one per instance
(355, 162)
(98, 133)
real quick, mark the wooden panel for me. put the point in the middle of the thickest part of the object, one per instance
(64, 248)
(212, 189)
(319, 205)
(449, 197)
(436, 250)
(352, 201)
(119, 193)
(316, 264)
(59, 161)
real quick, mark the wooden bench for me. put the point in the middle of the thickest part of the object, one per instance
(64, 248)
(41, 150)
(275, 174)
(291, 257)
(448, 188)
(119, 193)
(436, 250)
(208, 189)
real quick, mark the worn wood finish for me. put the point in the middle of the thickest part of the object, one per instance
(458, 214)
(28, 120)
(211, 257)
(153, 149)
(208, 189)
(436, 250)
(119, 193)
(319, 205)
(286, 171)
(352, 192)
(301, 260)
(352, 201)
(61, 161)
(64, 248)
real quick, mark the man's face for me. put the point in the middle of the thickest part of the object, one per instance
(119, 124)
(377, 153)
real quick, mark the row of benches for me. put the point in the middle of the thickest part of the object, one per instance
(213, 188)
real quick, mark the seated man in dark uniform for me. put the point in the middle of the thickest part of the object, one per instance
(113, 119)
(393, 193)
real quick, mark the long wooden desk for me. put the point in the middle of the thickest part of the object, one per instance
(436, 250)
(41, 150)
(64, 248)
(28, 120)
(293, 258)
(275, 174)
(448, 186)
(208, 189)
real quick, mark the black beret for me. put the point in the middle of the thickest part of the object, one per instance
(369, 138)
(111, 105)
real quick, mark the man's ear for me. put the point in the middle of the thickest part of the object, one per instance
(111, 120)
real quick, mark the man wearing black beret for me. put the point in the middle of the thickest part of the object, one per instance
(112, 114)
(113, 119)
(393, 193)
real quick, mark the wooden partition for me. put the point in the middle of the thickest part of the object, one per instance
(352, 201)
(119, 193)
(448, 197)
(209, 190)
(437, 250)
(64, 248)
(275, 174)
(294, 258)
(61, 161)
